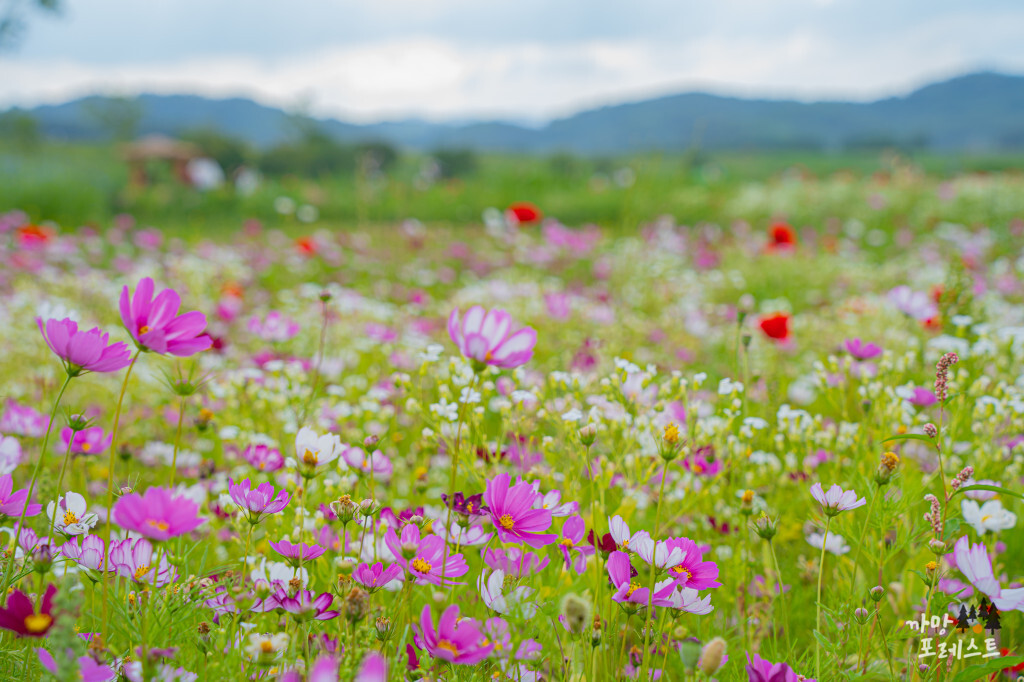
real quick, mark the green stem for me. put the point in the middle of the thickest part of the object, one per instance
(110, 493)
(863, 535)
(782, 599)
(60, 481)
(817, 619)
(451, 479)
(654, 574)
(177, 442)
(32, 486)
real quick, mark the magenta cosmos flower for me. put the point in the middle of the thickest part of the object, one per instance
(376, 577)
(693, 572)
(13, 501)
(456, 641)
(760, 670)
(264, 457)
(90, 441)
(305, 605)
(20, 615)
(628, 591)
(258, 501)
(83, 351)
(295, 554)
(511, 510)
(424, 558)
(88, 670)
(157, 514)
(861, 350)
(836, 500)
(483, 336)
(155, 325)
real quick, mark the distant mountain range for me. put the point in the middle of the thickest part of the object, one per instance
(978, 112)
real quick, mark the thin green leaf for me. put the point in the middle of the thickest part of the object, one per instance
(991, 488)
(977, 672)
(910, 436)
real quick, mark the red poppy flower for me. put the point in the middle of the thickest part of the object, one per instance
(34, 235)
(306, 245)
(775, 326)
(525, 212)
(782, 235)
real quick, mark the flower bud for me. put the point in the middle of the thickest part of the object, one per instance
(765, 527)
(357, 604)
(42, 559)
(383, 628)
(711, 656)
(588, 434)
(576, 613)
(369, 507)
(938, 547)
(930, 430)
(877, 592)
(861, 615)
(344, 508)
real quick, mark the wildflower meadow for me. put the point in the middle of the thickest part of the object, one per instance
(764, 450)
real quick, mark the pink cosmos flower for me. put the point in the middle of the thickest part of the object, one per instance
(263, 457)
(90, 441)
(552, 501)
(515, 562)
(23, 421)
(304, 606)
(373, 669)
(257, 502)
(861, 350)
(88, 670)
(973, 561)
(693, 573)
(375, 463)
(293, 554)
(13, 501)
(85, 551)
(915, 304)
(511, 510)
(155, 325)
(760, 670)
(483, 336)
(572, 535)
(275, 327)
(627, 591)
(456, 641)
(376, 577)
(157, 514)
(136, 560)
(836, 500)
(83, 351)
(427, 562)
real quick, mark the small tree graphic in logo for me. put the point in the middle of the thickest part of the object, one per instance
(991, 618)
(962, 621)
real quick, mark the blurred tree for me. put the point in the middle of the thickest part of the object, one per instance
(376, 157)
(230, 152)
(119, 117)
(456, 163)
(12, 18)
(316, 153)
(21, 128)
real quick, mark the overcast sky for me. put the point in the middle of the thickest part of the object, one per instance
(520, 60)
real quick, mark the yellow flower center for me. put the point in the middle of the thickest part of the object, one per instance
(159, 525)
(748, 496)
(448, 646)
(506, 522)
(681, 571)
(310, 457)
(37, 622)
(633, 587)
(69, 518)
(566, 542)
(421, 566)
(931, 565)
(672, 434)
(267, 647)
(141, 571)
(86, 447)
(469, 507)
(986, 517)
(144, 329)
(262, 466)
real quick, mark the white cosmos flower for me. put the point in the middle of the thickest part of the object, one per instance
(314, 450)
(686, 599)
(989, 516)
(266, 647)
(834, 545)
(492, 589)
(70, 516)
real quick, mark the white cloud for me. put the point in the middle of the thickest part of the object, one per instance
(436, 75)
